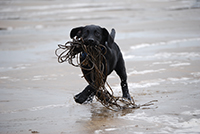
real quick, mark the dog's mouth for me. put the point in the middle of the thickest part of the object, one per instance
(91, 42)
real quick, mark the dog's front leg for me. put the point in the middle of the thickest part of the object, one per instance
(86, 94)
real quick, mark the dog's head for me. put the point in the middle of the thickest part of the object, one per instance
(92, 35)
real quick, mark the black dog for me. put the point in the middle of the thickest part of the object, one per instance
(94, 35)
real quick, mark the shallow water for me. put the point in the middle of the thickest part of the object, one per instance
(161, 48)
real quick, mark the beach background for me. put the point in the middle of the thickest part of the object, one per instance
(160, 41)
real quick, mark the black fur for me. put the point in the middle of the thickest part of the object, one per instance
(93, 35)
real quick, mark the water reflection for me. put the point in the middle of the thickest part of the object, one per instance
(103, 112)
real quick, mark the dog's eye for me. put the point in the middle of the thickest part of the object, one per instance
(85, 33)
(97, 34)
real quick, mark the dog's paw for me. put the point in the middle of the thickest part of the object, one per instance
(79, 99)
(89, 99)
(127, 96)
(83, 99)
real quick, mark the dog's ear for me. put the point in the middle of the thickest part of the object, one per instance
(109, 38)
(76, 32)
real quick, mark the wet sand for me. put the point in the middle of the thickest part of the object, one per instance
(160, 41)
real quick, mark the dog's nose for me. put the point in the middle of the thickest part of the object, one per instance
(90, 41)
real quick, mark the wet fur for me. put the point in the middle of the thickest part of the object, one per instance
(94, 35)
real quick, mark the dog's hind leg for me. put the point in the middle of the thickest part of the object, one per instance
(121, 71)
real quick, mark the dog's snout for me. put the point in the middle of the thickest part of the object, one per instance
(91, 40)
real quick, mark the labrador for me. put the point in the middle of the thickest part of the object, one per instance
(94, 35)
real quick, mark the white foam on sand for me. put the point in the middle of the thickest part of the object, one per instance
(37, 108)
(148, 51)
(196, 74)
(45, 107)
(45, 77)
(45, 10)
(16, 67)
(145, 71)
(173, 123)
(53, 7)
(179, 79)
(164, 55)
(4, 77)
(180, 64)
(141, 84)
(194, 112)
(161, 63)
(110, 129)
(143, 45)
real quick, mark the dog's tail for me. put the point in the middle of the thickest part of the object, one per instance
(112, 33)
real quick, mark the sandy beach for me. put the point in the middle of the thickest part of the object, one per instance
(160, 41)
